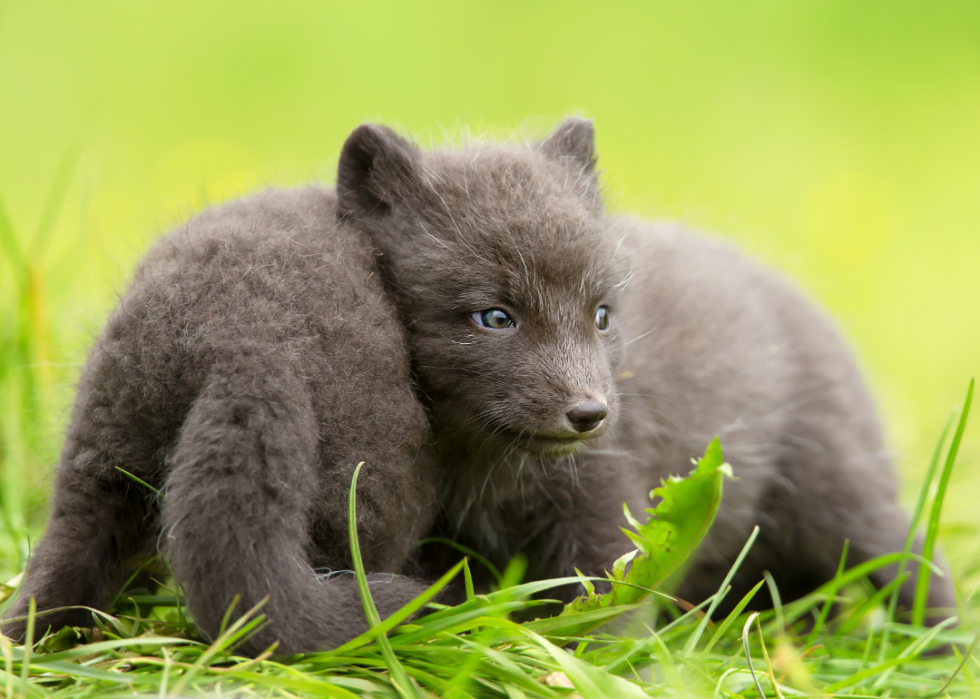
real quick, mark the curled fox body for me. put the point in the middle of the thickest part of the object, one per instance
(511, 362)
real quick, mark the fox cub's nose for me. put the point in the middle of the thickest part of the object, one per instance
(586, 416)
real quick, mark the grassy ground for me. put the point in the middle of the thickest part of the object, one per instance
(836, 141)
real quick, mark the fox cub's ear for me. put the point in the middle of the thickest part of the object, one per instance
(573, 145)
(573, 142)
(376, 165)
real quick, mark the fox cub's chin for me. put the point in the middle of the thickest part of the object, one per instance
(559, 450)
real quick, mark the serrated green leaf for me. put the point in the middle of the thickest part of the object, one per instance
(676, 526)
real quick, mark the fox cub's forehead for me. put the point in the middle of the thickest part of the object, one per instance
(503, 183)
(512, 199)
(514, 213)
(528, 264)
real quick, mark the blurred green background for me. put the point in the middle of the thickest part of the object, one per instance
(838, 141)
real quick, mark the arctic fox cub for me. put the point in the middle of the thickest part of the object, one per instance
(511, 362)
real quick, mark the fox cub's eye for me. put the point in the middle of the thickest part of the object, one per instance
(493, 318)
(602, 318)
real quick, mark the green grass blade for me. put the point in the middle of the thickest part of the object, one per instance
(399, 678)
(696, 636)
(920, 507)
(310, 685)
(466, 551)
(928, 547)
(959, 668)
(623, 659)
(506, 595)
(468, 580)
(865, 674)
(566, 625)
(456, 623)
(670, 667)
(590, 681)
(777, 603)
(404, 613)
(914, 649)
(25, 673)
(238, 630)
(8, 655)
(829, 588)
(114, 644)
(733, 615)
(508, 670)
(746, 630)
(872, 602)
(831, 594)
(138, 480)
(166, 674)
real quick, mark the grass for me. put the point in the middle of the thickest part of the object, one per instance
(145, 646)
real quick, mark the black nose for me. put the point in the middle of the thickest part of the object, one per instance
(585, 416)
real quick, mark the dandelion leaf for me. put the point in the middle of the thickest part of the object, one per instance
(677, 524)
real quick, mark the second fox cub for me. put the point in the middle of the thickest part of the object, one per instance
(511, 362)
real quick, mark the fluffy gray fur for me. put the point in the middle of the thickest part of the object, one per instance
(270, 344)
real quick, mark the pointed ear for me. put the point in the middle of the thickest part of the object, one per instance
(572, 144)
(376, 165)
(573, 140)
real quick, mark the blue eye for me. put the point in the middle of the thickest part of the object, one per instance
(493, 318)
(602, 319)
